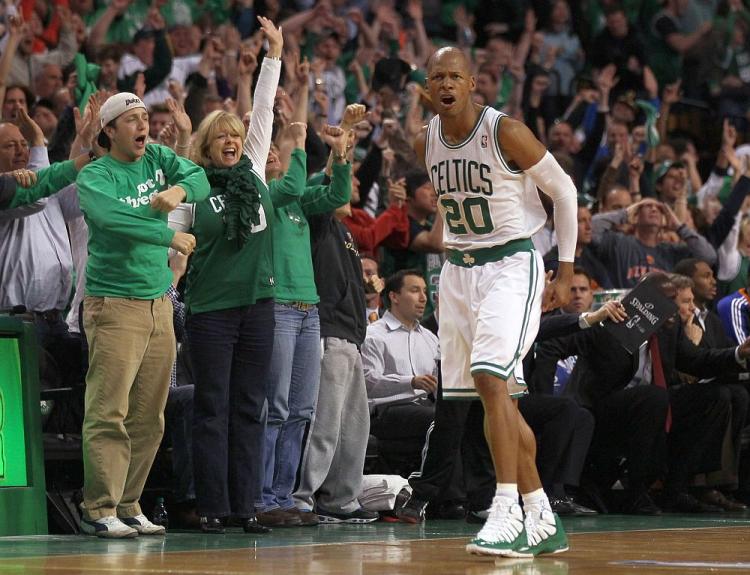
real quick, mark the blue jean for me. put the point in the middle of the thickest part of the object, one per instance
(230, 352)
(292, 391)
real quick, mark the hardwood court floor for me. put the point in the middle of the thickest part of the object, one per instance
(605, 545)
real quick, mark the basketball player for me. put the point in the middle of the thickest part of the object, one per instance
(485, 168)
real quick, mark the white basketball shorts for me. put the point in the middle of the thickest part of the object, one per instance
(489, 318)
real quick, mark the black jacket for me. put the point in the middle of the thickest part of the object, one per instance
(7, 190)
(556, 324)
(604, 366)
(338, 277)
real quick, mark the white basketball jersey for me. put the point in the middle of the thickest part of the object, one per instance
(484, 202)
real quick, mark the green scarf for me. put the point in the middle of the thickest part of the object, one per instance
(88, 76)
(241, 198)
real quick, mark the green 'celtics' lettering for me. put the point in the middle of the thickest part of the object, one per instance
(473, 212)
(461, 175)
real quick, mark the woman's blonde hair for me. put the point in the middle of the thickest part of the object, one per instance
(212, 125)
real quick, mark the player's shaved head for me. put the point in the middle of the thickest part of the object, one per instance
(449, 54)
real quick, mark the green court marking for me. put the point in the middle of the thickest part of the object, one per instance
(44, 546)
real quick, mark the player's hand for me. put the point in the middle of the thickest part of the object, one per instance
(426, 383)
(557, 292)
(183, 243)
(24, 178)
(169, 199)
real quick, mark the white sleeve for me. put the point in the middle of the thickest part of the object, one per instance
(181, 218)
(553, 181)
(258, 139)
(38, 158)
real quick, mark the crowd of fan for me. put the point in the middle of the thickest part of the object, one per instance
(603, 84)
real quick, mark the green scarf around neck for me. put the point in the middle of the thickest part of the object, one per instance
(241, 198)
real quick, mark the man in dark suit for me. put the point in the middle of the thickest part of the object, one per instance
(631, 414)
(731, 386)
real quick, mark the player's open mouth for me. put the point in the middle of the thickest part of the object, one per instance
(447, 100)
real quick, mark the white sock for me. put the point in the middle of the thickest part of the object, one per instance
(536, 500)
(507, 491)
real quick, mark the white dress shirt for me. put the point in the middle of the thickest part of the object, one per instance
(392, 356)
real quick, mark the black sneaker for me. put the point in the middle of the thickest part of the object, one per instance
(413, 510)
(640, 503)
(477, 517)
(358, 516)
(568, 506)
(447, 510)
(685, 503)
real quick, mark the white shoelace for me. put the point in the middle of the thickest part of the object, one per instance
(539, 525)
(504, 523)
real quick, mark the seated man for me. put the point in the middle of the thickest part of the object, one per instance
(628, 396)
(708, 332)
(399, 358)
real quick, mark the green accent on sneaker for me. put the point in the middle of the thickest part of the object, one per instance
(500, 548)
(555, 543)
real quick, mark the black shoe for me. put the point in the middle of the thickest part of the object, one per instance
(413, 510)
(184, 516)
(251, 525)
(591, 496)
(477, 517)
(641, 504)
(358, 516)
(567, 506)
(279, 518)
(401, 499)
(211, 525)
(725, 501)
(447, 510)
(685, 503)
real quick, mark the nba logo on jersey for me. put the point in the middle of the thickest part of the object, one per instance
(484, 141)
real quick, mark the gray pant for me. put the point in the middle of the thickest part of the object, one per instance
(335, 453)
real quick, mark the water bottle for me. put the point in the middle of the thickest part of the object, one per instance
(160, 514)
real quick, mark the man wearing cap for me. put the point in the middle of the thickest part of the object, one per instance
(127, 316)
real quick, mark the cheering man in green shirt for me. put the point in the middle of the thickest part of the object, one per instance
(127, 316)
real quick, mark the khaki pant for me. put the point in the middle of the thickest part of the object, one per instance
(131, 352)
